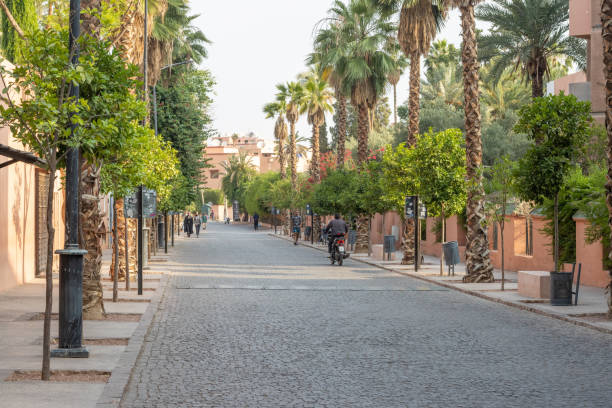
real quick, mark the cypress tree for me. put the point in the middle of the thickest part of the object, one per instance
(24, 12)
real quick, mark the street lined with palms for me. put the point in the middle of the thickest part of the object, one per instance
(250, 320)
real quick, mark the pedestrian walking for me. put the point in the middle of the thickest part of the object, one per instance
(256, 221)
(212, 215)
(197, 222)
(188, 224)
(296, 222)
(204, 221)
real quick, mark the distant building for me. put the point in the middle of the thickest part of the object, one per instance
(585, 22)
(262, 154)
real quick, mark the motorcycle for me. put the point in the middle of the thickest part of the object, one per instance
(338, 253)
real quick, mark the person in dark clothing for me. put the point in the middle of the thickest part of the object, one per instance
(188, 223)
(296, 222)
(197, 222)
(336, 228)
(256, 221)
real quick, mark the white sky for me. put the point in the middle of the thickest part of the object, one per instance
(257, 44)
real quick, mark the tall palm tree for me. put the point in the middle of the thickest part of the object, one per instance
(527, 34)
(364, 63)
(328, 45)
(316, 101)
(239, 170)
(606, 24)
(279, 109)
(400, 62)
(478, 260)
(291, 94)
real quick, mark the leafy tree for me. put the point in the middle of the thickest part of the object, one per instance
(214, 196)
(558, 125)
(337, 193)
(502, 184)
(239, 171)
(527, 34)
(257, 196)
(24, 13)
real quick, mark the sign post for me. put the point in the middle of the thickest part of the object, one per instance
(416, 211)
(140, 205)
(309, 212)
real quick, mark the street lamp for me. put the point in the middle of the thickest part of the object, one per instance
(71, 257)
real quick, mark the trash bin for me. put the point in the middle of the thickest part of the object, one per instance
(561, 288)
(451, 252)
(389, 245)
(161, 238)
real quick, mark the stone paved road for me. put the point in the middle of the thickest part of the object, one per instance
(252, 321)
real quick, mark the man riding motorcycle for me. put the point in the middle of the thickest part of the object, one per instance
(336, 228)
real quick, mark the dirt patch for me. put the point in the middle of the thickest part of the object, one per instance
(110, 317)
(101, 342)
(90, 376)
(128, 300)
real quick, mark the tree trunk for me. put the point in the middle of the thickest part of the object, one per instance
(91, 231)
(361, 246)
(115, 250)
(478, 262)
(442, 239)
(556, 233)
(370, 236)
(287, 223)
(413, 98)
(90, 24)
(394, 104)
(537, 86)
(341, 127)
(133, 245)
(46, 364)
(362, 138)
(281, 147)
(315, 166)
(120, 251)
(503, 270)
(316, 230)
(606, 22)
(408, 242)
(126, 254)
(292, 156)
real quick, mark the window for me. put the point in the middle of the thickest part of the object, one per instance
(214, 174)
(495, 234)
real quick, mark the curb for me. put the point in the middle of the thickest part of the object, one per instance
(122, 373)
(473, 293)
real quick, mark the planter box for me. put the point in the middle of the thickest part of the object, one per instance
(534, 284)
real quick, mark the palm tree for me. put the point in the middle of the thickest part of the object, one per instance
(364, 63)
(400, 62)
(478, 261)
(280, 131)
(239, 170)
(606, 23)
(526, 35)
(328, 45)
(291, 94)
(316, 101)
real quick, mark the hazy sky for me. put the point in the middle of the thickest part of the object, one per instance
(257, 44)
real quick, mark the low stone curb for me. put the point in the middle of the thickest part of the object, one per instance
(468, 292)
(121, 374)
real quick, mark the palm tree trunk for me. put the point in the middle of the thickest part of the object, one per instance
(362, 137)
(119, 252)
(537, 85)
(413, 99)
(315, 169)
(115, 246)
(478, 262)
(606, 23)
(91, 226)
(292, 156)
(341, 127)
(408, 242)
(362, 244)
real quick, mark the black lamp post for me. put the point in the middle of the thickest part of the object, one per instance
(71, 257)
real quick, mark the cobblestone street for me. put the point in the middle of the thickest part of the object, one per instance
(249, 320)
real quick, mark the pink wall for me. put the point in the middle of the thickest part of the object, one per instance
(580, 18)
(591, 257)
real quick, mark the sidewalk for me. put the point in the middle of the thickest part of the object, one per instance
(113, 343)
(590, 311)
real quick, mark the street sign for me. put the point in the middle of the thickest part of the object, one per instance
(308, 209)
(236, 210)
(422, 211)
(409, 207)
(149, 204)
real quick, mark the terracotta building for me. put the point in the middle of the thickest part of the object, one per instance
(585, 22)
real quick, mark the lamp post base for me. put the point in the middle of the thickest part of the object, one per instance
(81, 352)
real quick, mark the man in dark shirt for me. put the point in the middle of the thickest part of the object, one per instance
(296, 220)
(336, 228)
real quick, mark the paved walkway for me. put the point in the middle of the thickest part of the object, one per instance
(252, 321)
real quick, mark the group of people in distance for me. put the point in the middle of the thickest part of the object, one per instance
(197, 221)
